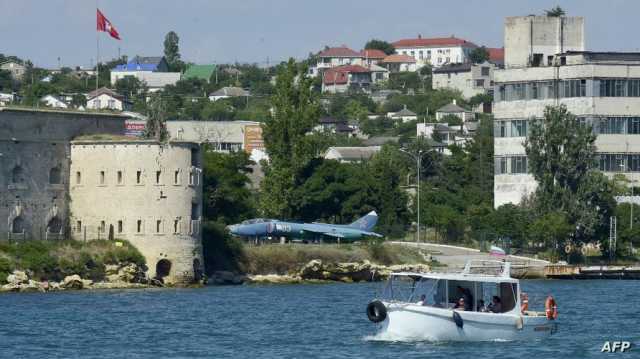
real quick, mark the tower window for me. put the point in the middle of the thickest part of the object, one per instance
(139, 226)
(159, 226)
(78, 177)
(158, 176)
(119, 226)
(54, 176)
(17, 175)
(138, 177)
(120, 179)
(101, 177)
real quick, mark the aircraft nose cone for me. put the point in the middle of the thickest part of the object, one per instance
(232, 228)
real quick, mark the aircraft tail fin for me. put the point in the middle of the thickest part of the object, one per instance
(367, 222)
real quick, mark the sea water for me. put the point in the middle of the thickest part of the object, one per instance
(288, 321)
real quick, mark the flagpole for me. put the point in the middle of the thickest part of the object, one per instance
(97, 50)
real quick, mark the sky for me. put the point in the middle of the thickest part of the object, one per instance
(269, 31)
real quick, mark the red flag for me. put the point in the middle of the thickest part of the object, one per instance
(105, 25)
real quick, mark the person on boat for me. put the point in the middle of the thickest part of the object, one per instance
(496, 305)
(460, 305)
(423, 300)
(468, 298)
(482, 307)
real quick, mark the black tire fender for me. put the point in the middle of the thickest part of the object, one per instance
(458, 320)
(376, 311)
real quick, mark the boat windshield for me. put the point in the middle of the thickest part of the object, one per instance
(414, 289)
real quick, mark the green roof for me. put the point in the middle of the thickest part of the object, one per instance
(202, 72)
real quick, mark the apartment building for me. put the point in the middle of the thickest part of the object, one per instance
(546, 64)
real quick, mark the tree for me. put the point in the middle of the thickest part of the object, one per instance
(391, 200)
(7, 83)
(172, 51)
(561, 157)
(375, 44)
(552, 229)
(555, 12)
(479, 55)
(451, 119)
(227, 197)
(156, 127)
(129, 86)
(220, 110)
(295, 113)
(480, 98)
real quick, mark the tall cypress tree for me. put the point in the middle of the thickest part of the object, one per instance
(295, 111)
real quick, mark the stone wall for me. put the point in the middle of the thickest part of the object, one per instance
(34, 168)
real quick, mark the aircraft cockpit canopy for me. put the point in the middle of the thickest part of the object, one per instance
(256, 220)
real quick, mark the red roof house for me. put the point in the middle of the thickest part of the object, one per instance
(341, 51)
(496, 55)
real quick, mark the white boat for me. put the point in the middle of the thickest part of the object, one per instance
(428, 306)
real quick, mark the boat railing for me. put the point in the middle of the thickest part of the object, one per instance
(488, 267)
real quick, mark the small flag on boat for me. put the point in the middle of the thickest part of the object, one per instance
(496, 251)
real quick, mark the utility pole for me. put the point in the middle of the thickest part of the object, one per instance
(418, 159)
(613, 233)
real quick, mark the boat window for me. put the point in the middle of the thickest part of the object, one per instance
(399, 288)
(429, 288)
(508, 293)
(457, 288)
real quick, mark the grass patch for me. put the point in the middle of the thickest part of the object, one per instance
(54, 260)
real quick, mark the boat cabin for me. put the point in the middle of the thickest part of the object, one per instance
(490, 289)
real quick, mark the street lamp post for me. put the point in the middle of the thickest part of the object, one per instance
(418, 159)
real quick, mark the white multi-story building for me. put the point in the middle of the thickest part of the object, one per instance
(545, 64)
(435, 51)
(470, 79)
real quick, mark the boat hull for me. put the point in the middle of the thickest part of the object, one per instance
(414, 322)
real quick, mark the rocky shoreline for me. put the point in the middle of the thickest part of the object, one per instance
(128, 275)
(315, 271)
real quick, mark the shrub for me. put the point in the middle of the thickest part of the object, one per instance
(5, 269)
(53, 260)
(220, 250)
(379, 252)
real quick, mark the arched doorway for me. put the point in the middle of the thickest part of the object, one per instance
(111, 234)
(163, 268)
(197, 271)
(54, 225)
(17, 226)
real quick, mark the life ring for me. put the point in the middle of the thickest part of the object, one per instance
(551, 308)
(376, 311)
